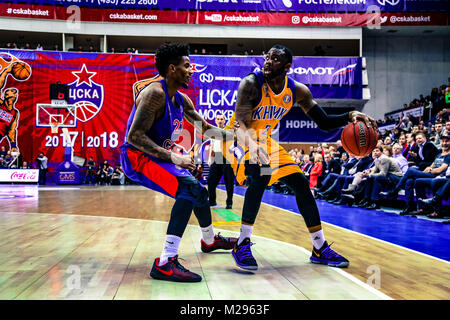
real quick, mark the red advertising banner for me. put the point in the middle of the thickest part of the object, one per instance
(223, 18)
(101, 85)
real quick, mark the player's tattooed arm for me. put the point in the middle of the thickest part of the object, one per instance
(246, 100)
(200, 124)
(150, 106)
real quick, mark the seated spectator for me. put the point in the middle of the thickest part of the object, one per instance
(423, 153)
(316, 170)
(3, 163)
(330, 165)
(438, 131)
(387, 141)
(3, 152)
(39, 47)
(307, 165)
(407, 182)
(386, 172)
(399, 158)
(25, 165)
(410, 144)
(362, 169)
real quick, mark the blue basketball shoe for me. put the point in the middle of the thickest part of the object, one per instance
(326, 255)
(242, 254)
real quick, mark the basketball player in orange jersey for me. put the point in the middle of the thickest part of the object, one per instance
(263, 98)
(9, 115)
(149, 157)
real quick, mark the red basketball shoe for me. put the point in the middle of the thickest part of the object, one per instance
(172, 270)
(224, 243)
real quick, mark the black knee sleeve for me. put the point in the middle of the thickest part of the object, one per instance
(305, 200)
(257, 183)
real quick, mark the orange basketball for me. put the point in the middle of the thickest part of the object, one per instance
(21, 71)
(358, 139)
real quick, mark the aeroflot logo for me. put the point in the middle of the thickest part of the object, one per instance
(345, 70)
(320, 71)
(198, 67)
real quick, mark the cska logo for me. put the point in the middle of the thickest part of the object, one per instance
(86, 94)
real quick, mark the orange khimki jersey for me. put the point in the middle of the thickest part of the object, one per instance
(265, 117)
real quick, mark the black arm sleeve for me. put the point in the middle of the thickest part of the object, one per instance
(328, 122)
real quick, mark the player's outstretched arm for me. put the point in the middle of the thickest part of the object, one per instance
(150, 106)
(200, 124)
(325, 121)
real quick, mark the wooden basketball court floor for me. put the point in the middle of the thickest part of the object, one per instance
(84, 242)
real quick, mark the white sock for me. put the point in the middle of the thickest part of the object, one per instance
(170, 248)
(318, 239)
(246, 232)
(208, 234)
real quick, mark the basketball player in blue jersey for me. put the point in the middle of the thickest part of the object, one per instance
(263, 98)
(151, 158)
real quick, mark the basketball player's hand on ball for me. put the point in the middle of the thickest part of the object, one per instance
(356, 115)
(184, 161)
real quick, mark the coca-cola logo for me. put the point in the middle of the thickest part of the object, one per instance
(17, 175)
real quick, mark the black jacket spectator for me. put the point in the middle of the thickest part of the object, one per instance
(429, 153)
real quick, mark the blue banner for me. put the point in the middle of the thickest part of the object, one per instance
(251, 5)
(216, 79)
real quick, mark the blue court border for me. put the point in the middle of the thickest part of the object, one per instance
(425, 236)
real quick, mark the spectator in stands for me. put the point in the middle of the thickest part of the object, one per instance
(402, 142)
(344, 181)
(42, 161)
(108, 170)
(3, 163)
(316, 170)
(307, 164)
(3, 152)
(39, 47)
(411, 142)
(447, 128)
(118, 177)
(438, 168)
(438, 131)
(399, 158)
(409, 123)
(424, 152)
(386, 172)
(8, 158)
(329, 165)
(90, 172)
(334, 182)
(387, 141)
(27, 46)
(56, 48)
(25, 165)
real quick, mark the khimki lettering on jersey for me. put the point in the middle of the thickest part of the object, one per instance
(269, 113)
